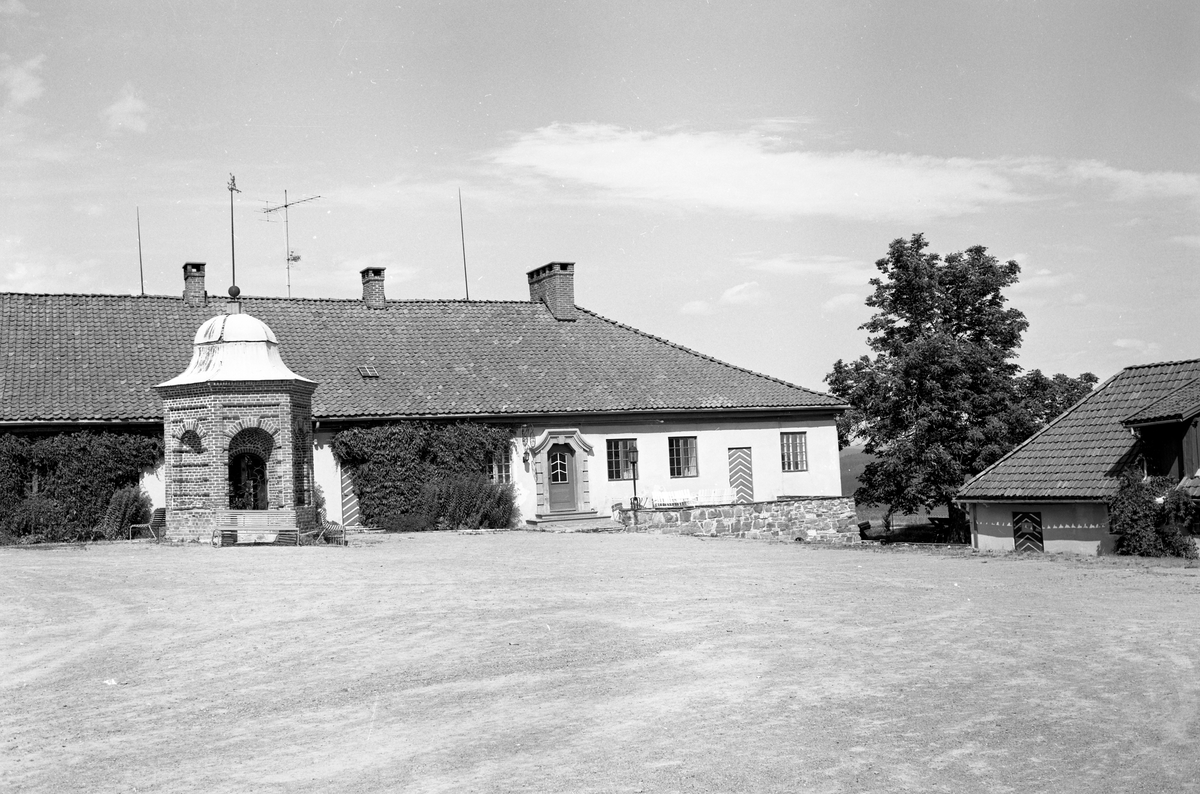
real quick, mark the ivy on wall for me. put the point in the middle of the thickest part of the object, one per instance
(58, 486)
(418, 475)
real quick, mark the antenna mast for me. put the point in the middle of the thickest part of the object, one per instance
(463, 235)
(291, 256)
(141, 273)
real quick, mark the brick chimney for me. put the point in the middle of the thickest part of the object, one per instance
(193, 284)
(372, 278)
(554, 285)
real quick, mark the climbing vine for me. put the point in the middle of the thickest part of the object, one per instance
(58, 486)
(420, 475)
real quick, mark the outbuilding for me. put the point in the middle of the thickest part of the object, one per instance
(1051, 493)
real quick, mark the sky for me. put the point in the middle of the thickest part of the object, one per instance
(723, 174)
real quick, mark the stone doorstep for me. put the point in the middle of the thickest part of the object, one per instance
(562, 518)
(592, 524)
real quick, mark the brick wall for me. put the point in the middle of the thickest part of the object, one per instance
(829, 519)
(204, 424)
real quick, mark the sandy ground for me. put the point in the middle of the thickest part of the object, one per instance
(623, 663)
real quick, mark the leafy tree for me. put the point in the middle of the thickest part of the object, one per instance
(942, 398)
(1041, 399)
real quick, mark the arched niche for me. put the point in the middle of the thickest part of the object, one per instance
(252, 476)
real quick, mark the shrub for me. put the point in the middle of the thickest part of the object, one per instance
(1152, 517)
(129, 505)
(471, 501)
(40, 519)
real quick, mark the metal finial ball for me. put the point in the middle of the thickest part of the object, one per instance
(234, 291)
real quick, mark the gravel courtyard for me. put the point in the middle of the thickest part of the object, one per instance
(582, 662)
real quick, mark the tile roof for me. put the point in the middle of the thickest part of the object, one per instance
(1178, 406)
(1081, 453)
(95, 357)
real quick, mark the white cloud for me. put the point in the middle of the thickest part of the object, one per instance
(128, 113)
(1139, 346)
(21, 80)
(750, 173)
(1041, 280)
(833, 269)
(842, 301)
(697, 308)
(748, 293)
(13, 8)
(1190, 240)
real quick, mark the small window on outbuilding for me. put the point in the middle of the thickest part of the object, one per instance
(367, 371)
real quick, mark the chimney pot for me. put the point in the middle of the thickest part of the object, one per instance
(193, 284)
(372, 283)
(554, 285)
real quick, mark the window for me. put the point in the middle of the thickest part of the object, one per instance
(794, 449)
(558, 467)
(367, 371)
(681, 454)
(619, 465)
(498, 468)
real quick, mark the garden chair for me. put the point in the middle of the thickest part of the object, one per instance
(156, 527)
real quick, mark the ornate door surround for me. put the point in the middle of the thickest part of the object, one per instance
(539, 452)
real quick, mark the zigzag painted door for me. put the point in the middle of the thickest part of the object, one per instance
(741, 474)
(349, 500)
(1027, 531)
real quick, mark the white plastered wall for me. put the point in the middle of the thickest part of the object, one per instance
(713, 441)
(155, 486)
(328, 475)
(1067, 527)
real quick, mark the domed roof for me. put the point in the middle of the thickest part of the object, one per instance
(234, 328)
(234, 347)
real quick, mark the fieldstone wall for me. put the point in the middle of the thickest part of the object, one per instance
(828, 519)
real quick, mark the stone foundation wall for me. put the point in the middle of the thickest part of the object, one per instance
(829, 519)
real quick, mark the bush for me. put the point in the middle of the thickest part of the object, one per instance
(1152, 517)
(129, 505)
(40, 519)
(470, 501)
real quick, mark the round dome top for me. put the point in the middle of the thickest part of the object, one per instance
(234, 328)
(234, 347)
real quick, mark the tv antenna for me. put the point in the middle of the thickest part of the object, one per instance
(291, 256)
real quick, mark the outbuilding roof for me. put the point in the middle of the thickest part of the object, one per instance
(1081, 454)
(1177, 406)
(67, 358)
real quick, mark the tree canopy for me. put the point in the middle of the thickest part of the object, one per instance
(942, 397)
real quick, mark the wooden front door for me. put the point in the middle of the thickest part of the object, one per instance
(560, 478)
(741, 474)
